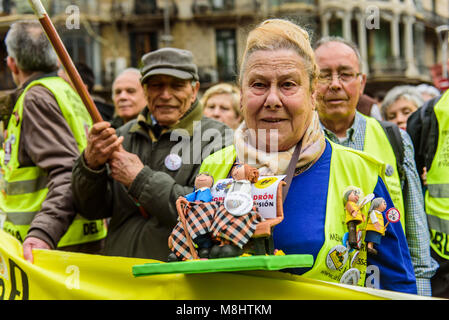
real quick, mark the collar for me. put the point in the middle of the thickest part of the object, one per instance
(36, 76)
(351, 132)
(147, 123)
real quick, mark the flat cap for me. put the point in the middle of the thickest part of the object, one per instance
(173, 62)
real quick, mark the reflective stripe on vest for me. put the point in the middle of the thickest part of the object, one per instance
(437, 193)
(339, 179)
(25, 188)
(438, 190)
(377, 145)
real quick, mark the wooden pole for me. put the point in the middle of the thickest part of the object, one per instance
(65, 59)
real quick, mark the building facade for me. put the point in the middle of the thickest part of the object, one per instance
(398, 39)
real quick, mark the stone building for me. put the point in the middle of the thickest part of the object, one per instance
(397, 38)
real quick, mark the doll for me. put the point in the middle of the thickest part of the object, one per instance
(375, 227)
(353, 214)
(201, 193)
(198, 218)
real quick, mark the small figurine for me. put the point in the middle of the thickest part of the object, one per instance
(201, 193)
(198, 218)
(375, 227)
(237, 218)
(353, 214)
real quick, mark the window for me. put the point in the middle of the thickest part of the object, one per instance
(226, 54)
(141, 42)
(145, 6)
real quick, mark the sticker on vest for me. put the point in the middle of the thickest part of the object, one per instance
(351, 277)
(393, 215)
(389, 170)
(173, 162)
(337, 257)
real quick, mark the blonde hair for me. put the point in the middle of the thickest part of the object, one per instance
(224, 88)
(275, 34)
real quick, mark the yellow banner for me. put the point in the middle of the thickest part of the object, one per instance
(66, 275)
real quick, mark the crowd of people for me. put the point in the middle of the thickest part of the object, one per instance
(111, 187)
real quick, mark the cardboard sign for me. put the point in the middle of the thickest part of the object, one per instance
(263, 193)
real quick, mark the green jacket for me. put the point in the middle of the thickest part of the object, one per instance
(156, 188)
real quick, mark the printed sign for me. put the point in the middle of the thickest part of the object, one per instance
(263, 193)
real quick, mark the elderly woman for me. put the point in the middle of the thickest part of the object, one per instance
(222, 103)
(399, 103)
(281, 135)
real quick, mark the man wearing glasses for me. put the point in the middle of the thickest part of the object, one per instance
(340, 85)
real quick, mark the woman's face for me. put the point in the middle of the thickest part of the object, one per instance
(399, 111)
(219, 107)
(276, 96)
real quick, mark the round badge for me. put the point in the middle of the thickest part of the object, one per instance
(393, 215)
(389, 170)
(354, 258)
(351, 277)
(173, 162)
(337, 257)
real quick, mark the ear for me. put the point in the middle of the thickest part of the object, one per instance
(362, 83)
(12, 65)
(196, 88)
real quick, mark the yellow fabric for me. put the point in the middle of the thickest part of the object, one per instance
(437, 205)
(63, 275)
(27, 200)
(378, 146)
(370, 225)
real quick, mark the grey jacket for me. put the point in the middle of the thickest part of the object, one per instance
(156, 188)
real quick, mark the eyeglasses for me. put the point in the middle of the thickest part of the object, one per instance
(343, 77)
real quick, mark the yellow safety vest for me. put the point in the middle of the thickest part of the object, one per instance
(220, 163)
(437, 193)
(377, 145)
(24, 188)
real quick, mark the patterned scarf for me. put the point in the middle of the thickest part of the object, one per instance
(276, 163)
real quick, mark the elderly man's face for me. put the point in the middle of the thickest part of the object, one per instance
(129, 98)
(338, 97)
(169, 98)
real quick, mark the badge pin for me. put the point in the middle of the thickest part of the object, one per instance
(351, 277)
(389, 170)
(337, 257)
(173, 162)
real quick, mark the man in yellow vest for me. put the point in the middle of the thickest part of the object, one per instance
(340, 85)
(44, 135)
(428, 128)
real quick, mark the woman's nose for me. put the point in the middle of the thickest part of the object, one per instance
(273, 100)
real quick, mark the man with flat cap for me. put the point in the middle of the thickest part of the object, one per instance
(134, 175)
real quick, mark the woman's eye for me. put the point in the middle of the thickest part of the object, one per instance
(288, 85)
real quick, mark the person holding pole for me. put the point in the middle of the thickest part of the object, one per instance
(44, 135)
(135, 175)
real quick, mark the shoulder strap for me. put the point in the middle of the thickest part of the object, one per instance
(291, 170)
(429, 131)
(394, 136)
